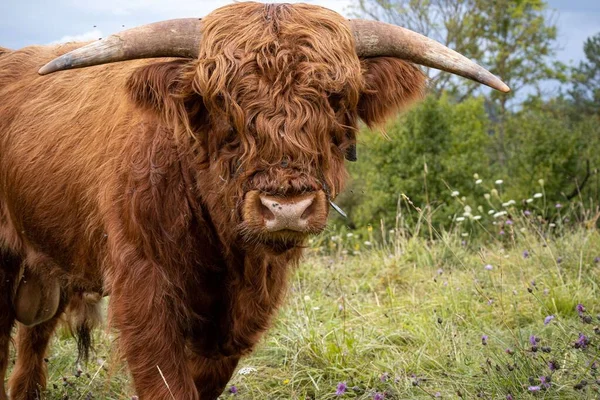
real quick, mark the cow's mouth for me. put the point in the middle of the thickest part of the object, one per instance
(279, 246)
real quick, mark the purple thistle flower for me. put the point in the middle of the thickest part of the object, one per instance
(509, 397)
(558, 205)
(597, 260)
(545, 381)
(341, 389)
(501, 232)
(582, 342)
(525, 253)
(484, 339)
(384, 377)
(437, 394)
(527, 213)
(378, 396)
(534, 388)
(509, 222)
(548, 319)
(489, 267)
(552, 365)
(533, 340)
(580, 309)
(233, 389)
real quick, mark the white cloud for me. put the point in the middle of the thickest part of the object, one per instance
(94, 34)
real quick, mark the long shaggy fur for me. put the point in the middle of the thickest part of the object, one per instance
(130, 180)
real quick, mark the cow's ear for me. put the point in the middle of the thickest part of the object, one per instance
(160, 87)
(391, 85)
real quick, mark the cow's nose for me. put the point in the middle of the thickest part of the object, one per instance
(292, 213)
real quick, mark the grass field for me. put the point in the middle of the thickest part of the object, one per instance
(513, 317)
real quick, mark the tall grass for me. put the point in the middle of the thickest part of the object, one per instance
(509, 311)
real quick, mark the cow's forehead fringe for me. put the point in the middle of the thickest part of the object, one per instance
(271, 71)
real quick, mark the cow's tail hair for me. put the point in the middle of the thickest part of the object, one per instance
(83, 316)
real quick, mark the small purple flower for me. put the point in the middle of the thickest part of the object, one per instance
(341, 389)
(582, 342)
(484, 339)
(558, 205)
(525, 253)
(534, 388)
(378, 396)
(490, 302)
(384, 377)
(509, 351)
(580, 309)
(437, 394)
(233, 389)
(509, 222)
(559, 260)
(545, 381)
(509, 397)
(548, 319)
(533, 340)
(489, 267)
(527, 213)
(501, 232)
(440, 271)
(552, 365)
(597, 260)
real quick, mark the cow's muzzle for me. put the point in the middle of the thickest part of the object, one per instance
(303, 213)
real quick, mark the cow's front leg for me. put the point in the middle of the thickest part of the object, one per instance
(150, 319)
(211, 375)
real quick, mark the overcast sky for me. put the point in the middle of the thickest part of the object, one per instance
(25, 22)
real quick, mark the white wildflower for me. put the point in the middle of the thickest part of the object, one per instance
(455, 193)
(538, 196)
(487, 196)
(476, 176)
(541, 182)
(491, 212)
(478, 181)
(246, 370)
(552, 225)
(464, 234)
(500, 214)
(349, 235)
(529, 200)
(367, 243)
(460, 219)
(499, 182)
(477, 217)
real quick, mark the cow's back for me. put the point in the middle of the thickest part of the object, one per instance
(61, 142)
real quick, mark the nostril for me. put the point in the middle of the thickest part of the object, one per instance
(309, 210)
(266, 213)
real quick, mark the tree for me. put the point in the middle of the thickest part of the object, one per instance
(514, 39)
(585, 92)
(429, 152)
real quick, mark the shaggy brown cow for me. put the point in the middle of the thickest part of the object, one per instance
(184, 188)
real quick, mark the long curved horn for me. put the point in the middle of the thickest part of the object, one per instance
(374, 38)
(171, 38)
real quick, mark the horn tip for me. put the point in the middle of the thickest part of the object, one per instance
(503, 87)
(47, 69)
